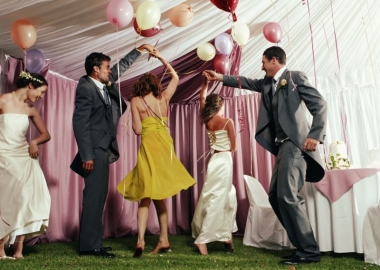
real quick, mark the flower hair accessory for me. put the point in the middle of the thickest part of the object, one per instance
(26, 75)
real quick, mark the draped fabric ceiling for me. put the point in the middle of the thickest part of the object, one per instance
(342, 35)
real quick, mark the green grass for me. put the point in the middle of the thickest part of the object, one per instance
(183, 255)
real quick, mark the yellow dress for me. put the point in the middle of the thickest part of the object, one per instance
(158, 173)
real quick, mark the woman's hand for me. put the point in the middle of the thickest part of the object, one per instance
(33, 149)
(212, 75)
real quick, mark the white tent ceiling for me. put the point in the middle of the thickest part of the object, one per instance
(68, 30)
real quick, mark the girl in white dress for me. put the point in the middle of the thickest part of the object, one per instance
(24, 195)
(215, 213)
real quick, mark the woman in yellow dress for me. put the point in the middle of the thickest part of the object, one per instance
(158, 173)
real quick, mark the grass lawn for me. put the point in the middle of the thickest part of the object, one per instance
(183, 255)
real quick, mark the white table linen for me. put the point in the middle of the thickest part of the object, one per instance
(338, 226)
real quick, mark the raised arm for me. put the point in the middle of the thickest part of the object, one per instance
(128, 60)
(203, 93)
(172, 87)
(235, 81)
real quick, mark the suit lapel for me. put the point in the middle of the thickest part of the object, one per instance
(281, 95)
(267, 89)
(96, 88)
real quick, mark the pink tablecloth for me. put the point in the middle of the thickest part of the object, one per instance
(337, 182)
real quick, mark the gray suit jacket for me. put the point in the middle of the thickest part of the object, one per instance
(293, 100)
(93, 125)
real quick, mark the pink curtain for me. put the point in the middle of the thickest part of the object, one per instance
(190, 141)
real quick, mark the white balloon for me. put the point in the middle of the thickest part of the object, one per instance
(240, 33)
(148, 14)
(206, 52)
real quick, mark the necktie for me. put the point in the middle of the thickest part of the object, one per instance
(106, 96)
(272, 90)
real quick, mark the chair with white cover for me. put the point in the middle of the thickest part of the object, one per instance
(371, 235)
(263, 229)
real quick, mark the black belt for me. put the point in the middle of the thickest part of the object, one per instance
(278, 143)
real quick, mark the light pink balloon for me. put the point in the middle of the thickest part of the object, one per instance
(119, 13)
(181, 15)
(272, 32)
(222, 63)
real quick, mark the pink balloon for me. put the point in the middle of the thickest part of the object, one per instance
(119, 13)
(181, 15)
(222, 63)
(272, 32)
(146, 33)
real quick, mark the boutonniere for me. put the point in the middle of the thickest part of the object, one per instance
(109, 85)
(283, 84)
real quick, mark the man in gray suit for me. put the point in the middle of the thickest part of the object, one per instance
(95, 119)
(283, 130)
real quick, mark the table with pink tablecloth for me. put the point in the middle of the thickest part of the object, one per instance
(337, 205)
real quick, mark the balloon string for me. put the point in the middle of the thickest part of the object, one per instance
(369, 49)
(24, 60)
(189, 72)
(312, 41)
(288, 35)
(327, 41)
(336, 41)
(118, 70)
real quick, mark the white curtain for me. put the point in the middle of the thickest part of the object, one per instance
(353, 98)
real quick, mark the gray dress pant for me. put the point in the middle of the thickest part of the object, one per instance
(94, 197)
(287, 180)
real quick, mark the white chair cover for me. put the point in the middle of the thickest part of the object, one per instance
(262, 229)
(371, 235)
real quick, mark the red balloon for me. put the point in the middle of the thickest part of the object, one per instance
(227, 5)
(272, 32)
(148, 32)
(222, 63)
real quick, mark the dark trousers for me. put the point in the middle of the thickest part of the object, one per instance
(94, 197)
(287, 180)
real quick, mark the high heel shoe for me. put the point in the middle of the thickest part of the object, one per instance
(229, 246)
(160, 249)
(138, 253)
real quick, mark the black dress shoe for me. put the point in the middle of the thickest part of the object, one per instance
(97, 252)
(289, 256)
(107, 248)
(298, 260)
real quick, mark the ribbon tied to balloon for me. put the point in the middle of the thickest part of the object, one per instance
(228, 6)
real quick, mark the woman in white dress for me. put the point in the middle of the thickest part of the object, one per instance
(215, 213)
(24, 195)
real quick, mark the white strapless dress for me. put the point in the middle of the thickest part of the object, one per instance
(24, 195)
(215, 214)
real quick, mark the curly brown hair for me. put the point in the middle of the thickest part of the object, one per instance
(146, 84)
(212, 106)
